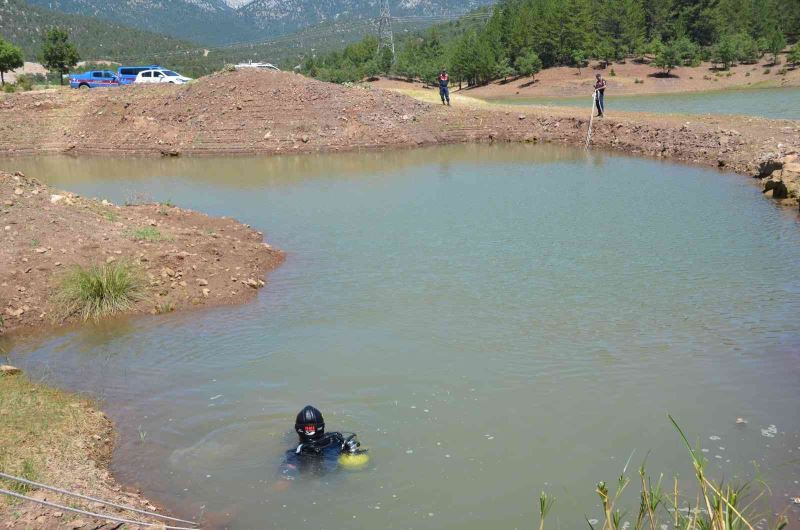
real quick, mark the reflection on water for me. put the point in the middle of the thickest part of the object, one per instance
(776, 103)
(492, 321)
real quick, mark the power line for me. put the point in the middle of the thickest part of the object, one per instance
(385, 35)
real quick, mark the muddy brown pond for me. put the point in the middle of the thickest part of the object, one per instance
(492, 321)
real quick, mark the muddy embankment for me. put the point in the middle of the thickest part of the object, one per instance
(184, 259)
(276, 112)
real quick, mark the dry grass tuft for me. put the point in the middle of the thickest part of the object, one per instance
(99, 291)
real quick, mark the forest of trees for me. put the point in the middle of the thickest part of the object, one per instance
(522, 36)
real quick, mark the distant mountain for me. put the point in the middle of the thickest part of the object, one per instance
(286, 16)
(25, 25)
(214, 22)
(206, 21)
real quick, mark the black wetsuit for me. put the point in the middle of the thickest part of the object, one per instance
(314, 458)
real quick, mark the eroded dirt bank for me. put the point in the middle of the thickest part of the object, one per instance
(60, 439)
(184, 258)
(278, 112)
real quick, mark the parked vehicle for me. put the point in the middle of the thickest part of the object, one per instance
(259, 66)
(161, 75)
(127, 74)
(94, 79)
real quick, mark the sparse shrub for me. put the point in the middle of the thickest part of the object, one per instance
(783, 71)
(747, 74)
(638, 81)
(148, 233)
(8, 88)
(767, 71)
(612, 73)
(229, 68)
(98, 291)
(164, 307)
(729, 74)
(24, 82)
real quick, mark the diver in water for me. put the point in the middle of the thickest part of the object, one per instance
(318, 451)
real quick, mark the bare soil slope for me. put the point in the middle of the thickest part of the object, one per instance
(185, 258)
(633, 78)
(278, 112)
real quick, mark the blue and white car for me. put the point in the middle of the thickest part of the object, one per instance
(94, 79)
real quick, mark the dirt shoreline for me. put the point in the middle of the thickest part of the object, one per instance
(186, 260)
(66, 442)
(278, 113)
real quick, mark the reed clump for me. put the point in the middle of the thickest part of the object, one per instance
(715, 506)
(99, 291)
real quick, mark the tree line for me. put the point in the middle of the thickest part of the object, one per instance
(523, 36)
(58, 55)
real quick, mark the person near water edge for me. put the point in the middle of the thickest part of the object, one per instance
(319, 452)
(444, 90)
(599, 91)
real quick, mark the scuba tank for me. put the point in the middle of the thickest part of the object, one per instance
(352, 457)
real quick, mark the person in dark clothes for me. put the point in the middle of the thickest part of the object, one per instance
(444, 89)
(319, 452)
(599, 91)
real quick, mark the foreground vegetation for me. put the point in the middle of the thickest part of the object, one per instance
(100, 291)
(42, 431)
(714, 506)
(523, 36)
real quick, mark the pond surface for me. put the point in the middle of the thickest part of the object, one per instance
(776, 103)
(492, 321)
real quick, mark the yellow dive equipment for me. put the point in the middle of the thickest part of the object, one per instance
(354, 461)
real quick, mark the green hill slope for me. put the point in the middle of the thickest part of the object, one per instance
(25, 25)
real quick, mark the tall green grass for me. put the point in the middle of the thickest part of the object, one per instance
(714, 506)
(99, 291)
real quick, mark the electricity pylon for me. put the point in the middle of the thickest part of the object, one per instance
(385, 36)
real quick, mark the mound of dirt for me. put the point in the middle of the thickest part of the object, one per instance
(185, 258)
(242, 111)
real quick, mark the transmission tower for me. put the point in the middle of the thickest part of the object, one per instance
(385, 36)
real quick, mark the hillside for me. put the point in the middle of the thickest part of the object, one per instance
(217, 22)
(24, 25)
(284, 16)
(206, 21)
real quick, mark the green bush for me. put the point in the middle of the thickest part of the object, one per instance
(8, 88)
(24, 82)
(794, 55)
(98, 291)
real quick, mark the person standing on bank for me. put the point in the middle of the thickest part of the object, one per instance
(599, 91)
(444, 90)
